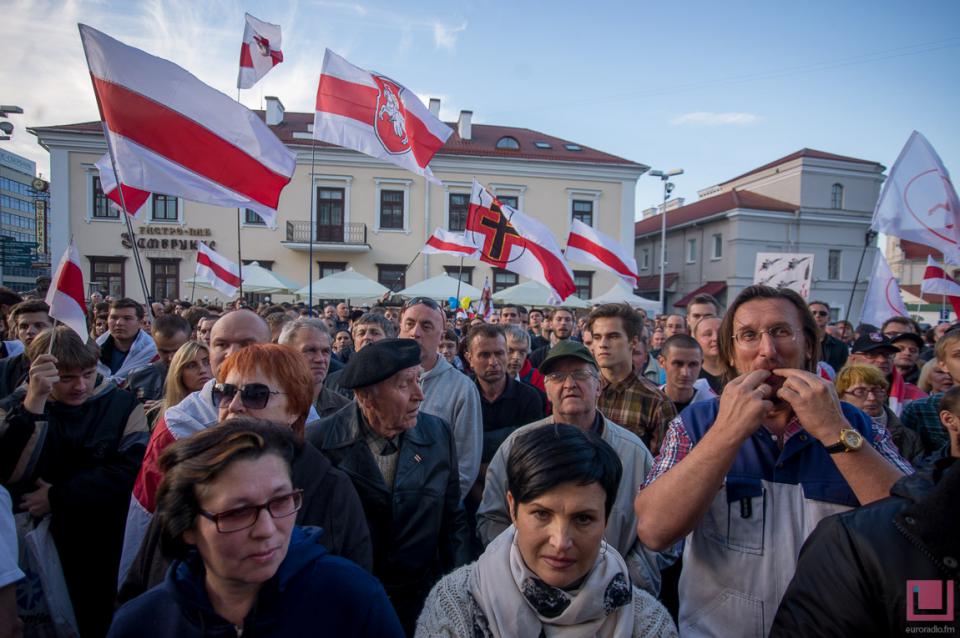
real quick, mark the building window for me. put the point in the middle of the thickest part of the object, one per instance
(465, 274)
(836, 196)
(583, 280)
(691, 251)
(583, 210)
(458, 208)
(266, 265)
(513, 201)
(393, 276)
(102, 208)
(504, 279)
(833, 264)
(252, 218)
(164, 208)
(391, 210)
(645, 259)
(326, 268)
(717, 246)
(106, 275)
(165, 278)
(330, 214)
(508, 143)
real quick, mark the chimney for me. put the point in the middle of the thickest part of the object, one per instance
(274, 110)
(464, 129)
(435, 107)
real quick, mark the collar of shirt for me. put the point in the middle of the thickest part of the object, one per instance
(375, 441)
(624, 384)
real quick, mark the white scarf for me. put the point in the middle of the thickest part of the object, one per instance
(143, 351)
(513, 601)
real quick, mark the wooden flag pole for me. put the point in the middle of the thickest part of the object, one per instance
(53, 333)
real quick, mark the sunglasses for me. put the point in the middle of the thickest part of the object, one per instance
(426, 301)
(254, 396)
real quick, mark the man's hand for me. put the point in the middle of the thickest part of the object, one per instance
(43, 374)
(38, 501)
(744, 403)
(814, 400)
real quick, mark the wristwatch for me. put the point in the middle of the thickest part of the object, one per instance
(850, 441)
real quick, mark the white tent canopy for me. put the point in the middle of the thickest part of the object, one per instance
(346, 284)
(531, 293)
(441, 287)
(256, 279)
(621, 293)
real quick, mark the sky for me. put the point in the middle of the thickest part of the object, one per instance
(714, 88)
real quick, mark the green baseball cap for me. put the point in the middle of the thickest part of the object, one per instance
(564, 349)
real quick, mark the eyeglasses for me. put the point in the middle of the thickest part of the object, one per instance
(861, 393)
(254, 396)
(242, 518)
(781, 335)
(577, 375)
(426, 301)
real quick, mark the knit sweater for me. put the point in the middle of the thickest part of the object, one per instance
(449, 610)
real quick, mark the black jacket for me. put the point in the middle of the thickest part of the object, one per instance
(13, 372)
(147, 383)
(834, 352)
(419, 529)
(851, 578)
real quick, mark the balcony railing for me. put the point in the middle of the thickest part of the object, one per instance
(354, 233)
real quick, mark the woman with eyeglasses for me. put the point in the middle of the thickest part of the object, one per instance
(241, 566)
(865, 387)
(189, 371)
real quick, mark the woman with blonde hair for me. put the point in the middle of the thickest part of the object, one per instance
(189, 370)
(933, 378)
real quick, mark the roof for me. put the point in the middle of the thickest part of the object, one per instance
(483, 142)
(651, 283)
(913, 250)
(710, 288)
(708, 206)
(805, 152)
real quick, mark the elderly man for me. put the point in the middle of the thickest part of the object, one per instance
(27, 319)
(404, 465)
(342, 321)
(872, 348)
(310, 338)
(745, 477)
(124, 347)
(448, 393)
(573, 385)
(369, 328)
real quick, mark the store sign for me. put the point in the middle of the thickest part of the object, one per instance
(18, 163)
(41, 208)
(177, 238)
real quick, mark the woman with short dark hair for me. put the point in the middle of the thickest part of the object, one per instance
(551, 572)
(226, 507)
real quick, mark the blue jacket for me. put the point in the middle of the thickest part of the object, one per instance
(312, 593)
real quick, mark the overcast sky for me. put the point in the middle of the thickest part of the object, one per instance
(714, 88)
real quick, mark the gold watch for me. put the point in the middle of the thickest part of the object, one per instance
(850, 441)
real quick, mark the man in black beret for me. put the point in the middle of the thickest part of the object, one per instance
(403, 464)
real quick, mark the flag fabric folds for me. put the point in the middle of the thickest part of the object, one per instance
(221, 273)
(444, 242)
(171, 133)
(259, 52)
(485, 305)
(587, 245)
(370, 113)
(134, 198)
(936, 281)
(65, 296)
(883, 299)
(508, 239)
(919, 202)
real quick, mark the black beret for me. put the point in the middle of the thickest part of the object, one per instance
(378, 361)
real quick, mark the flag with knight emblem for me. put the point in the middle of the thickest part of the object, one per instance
(509, 239)
(259, 52)
(370, 113)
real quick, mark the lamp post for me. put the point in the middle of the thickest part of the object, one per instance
(667, 189)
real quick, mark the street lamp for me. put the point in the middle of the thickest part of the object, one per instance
(6, 128)
(667, 189)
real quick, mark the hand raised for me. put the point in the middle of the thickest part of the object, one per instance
(43, 375)
(744, 403)
(815, 402)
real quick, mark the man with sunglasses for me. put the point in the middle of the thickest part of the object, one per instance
(448, 393)
(832, 350)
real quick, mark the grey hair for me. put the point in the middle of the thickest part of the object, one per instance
(290, 328)
(385, 324)
(513, 331)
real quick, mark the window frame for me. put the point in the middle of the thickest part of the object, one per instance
(332, 266)
(453, 271)
(392, 184)
(716, 252)
(152, 204)
(836, 196)
(175, 278)
(584, 194)
(691, 251)
(257, 222)
(589, 285)
(831, 274)
(466, 211)
(496, 286)
(122, 275)
(402, 283)
(93, 186)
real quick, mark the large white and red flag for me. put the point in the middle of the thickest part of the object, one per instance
(221, 273)
(936, 281)
(370, 113)
(919, 202)
(259, 52)
(509, 239)
(587, 245)
(171, 133)
(883, 299)
(134, 198)
(65, 296)
(445, 242)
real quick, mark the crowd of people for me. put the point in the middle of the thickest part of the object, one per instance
(273, 469)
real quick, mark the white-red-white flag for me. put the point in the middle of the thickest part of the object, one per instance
(259, 52)
(509, 239)
(587, 245)
(370, 113)
(937, 281)
(134, 198)
(446, 242)
(221, 273)
(485, 305)
(919, 202)
(883, 299)
(65, 296)
(170, 133)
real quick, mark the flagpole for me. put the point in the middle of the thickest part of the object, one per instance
(397, 280)
(459, 280)
(239, 252)
(868, 237)
(311, 230)
(53, 333)
(193, 290)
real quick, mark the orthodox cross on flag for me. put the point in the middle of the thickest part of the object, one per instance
(937, 281)
(259, 52)
(134, 198)
(883, 299)
(508, 239)
(443, 241)
(65, 296)
(168, 132)
(221, 273)
(589, 246)
(919, 202)
(370, 113)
